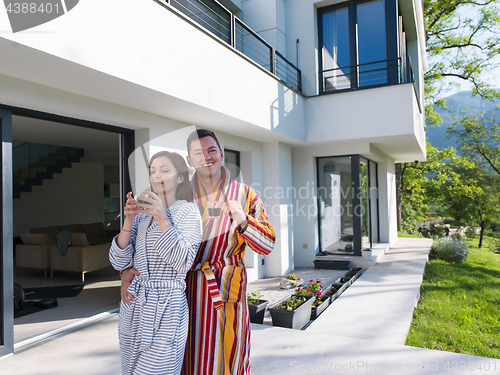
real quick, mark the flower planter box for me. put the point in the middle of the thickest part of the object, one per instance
(355, 273)
(317, 310)
(339, 290)
(295, 319)
(257, 311)
(325, 264)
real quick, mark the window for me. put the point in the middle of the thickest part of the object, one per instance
(232, 163)
(356, 49)
(347, 204)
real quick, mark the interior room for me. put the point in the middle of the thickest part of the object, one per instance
(66, 209)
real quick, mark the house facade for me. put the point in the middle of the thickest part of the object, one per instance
(313, 103)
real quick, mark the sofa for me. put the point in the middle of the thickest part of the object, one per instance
(88, 250)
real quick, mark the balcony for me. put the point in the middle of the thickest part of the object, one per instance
(220, 22)
(373, 74)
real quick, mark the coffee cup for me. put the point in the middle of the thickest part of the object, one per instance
(143, 205)
(214, 208)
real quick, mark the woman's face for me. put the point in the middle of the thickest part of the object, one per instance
(163, 176)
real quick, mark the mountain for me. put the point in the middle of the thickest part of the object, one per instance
(464, 102)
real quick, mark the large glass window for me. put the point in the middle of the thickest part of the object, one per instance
(353, 45)
(347, 204)
(371, 43)
(335, 50)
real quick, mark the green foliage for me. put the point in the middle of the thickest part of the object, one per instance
(450, 249)
(480, 139)
(459, 46)
(292, 303)
(458, 308)
(292, 276)
(254, 297)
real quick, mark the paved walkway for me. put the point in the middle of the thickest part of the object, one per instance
(361, 333)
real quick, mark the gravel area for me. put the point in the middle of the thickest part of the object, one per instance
(270, 287)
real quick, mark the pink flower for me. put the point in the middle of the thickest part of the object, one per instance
(307, 289)
(318, 294)
(311, 280)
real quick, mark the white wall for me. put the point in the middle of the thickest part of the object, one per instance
(75, 196)
(373, 115)
(166, 66)
(267, 18)
(277, 171)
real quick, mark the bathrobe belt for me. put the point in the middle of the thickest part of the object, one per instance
(147, 293)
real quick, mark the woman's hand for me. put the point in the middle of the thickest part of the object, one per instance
(131, 210)
(155, 207)
(127, 277)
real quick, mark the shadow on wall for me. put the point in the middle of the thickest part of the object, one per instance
(287, 113)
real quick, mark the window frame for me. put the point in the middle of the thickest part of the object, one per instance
(391, 42)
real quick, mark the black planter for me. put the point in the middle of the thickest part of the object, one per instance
(325, 264)
(257, 311)
(351, 276)
(295, 319)
(317, 310)
(339, 290)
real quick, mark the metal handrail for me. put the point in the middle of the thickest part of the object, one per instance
(402, 73)
(251, 42)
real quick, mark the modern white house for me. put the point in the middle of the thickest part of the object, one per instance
(313, 102)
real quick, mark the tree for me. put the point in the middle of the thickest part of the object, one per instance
(480, 140)
(463, 38)
(421, 182)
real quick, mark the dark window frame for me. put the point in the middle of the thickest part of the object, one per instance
(356, 184)
(391, 32)
(127, 143)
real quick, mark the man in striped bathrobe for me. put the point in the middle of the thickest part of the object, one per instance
(219, 325)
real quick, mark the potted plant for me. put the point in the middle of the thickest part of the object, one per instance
(256, 307)
(367, 253)
(291, 281)
(349, 247)
(321, 302)
(292, 312)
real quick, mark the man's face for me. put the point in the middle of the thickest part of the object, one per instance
(205, 156)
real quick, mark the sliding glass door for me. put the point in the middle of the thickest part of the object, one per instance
(6, 255)
(347, 204)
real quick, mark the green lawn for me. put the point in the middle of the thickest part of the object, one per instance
(408, 235)
(459, 308)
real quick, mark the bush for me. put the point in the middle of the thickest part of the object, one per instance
(450, 249)
(434, 231)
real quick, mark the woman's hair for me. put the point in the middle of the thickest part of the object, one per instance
(184, 189)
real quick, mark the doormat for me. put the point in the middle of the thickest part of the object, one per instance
(53, 292)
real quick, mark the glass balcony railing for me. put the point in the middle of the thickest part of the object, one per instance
(219, 21)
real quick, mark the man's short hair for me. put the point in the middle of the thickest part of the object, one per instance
(199, 134)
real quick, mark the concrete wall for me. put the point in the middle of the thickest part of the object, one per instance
(188, 76)
(75, 196)
(268, 19)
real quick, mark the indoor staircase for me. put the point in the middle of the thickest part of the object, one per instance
(45, 168)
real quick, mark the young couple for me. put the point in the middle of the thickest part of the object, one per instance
(184, 307)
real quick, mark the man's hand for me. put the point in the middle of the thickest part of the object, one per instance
(127, 277)
(235, 212)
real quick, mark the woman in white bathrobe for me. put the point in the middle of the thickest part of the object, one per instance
(160, 239)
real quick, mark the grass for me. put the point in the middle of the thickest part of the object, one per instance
(408, 235)
(459, 308)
